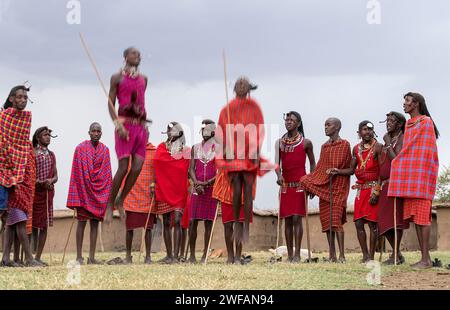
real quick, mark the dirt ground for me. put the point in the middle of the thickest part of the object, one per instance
(414, 280)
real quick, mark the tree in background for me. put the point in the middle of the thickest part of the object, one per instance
(443, 186)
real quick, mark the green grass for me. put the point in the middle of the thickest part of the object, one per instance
(260, 274)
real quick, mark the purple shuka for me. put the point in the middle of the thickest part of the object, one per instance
(203, 206)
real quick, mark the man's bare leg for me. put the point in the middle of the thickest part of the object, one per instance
(93, 224)
(362, 238)
(79, 240)
(16, 250)
(340, 240)
(192, 240)
(35, 239)
(249, 180)
(129, 244)
(391, 239)
(117, 183)
(41, 243)
(289, 236)
(135, 170)
(167, 233)
(177, 235)
(298, 235)
(148, 246)
(238, 252)
(331, 246)
(208, 229)
(236, 183)
(21, 230)
(425, 261)
(228, 231)
(8, 238)
(373, 239)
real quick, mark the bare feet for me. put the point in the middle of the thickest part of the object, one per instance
(42, 262)
(33, 263)
(192, 260)
(202, 261)
(80, 260)
(237, 261)
(128, 260)
(93, 261)
(365, 259)
(296, 259)
(9, 263)
(422, 265)
(230, 260)
(19, 263)
(342, 260)
(148, 260)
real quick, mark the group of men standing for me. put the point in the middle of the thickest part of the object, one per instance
(395, 185)
(395, 181)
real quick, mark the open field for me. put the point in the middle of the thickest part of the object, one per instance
(260, 274)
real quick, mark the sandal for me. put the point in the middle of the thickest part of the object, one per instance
(9, 264)
(115, 261)
(94, 262)
(42, 262)
(166, 261)
(34, 263)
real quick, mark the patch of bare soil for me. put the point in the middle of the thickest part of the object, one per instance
(418, 280)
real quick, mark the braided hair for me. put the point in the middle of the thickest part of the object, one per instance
(37, 133)
(8, 104)
(299, 119)
(423, 110)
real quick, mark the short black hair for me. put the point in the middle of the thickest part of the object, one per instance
(9, 104)
(94, 124)
(127, 50)
(208, 121)
(365, 123)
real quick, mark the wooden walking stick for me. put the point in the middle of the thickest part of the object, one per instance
(111, 106)
(307, 227)
(331, 209)
(144, 231)
(229, 137)
(100, 234)
(219, 205)
(68, 236)
(91, 59)
(48, 229)
(395, 232)
(278, 220)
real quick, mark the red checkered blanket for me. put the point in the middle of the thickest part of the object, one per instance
(414, 171)
(15, 146)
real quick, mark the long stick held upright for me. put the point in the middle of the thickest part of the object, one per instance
(91, 60)
(395, 232)
(225, 80)
(331, 210)
(226, 97)
(228, 112)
